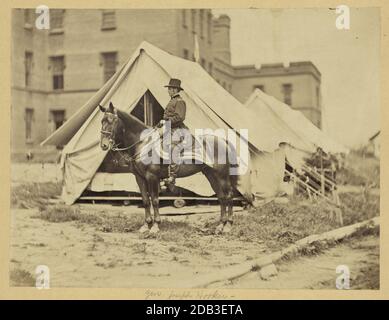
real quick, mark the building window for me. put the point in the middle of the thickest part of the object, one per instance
(29, 117)
(260, 87)
(203, 62)
(58, 66)
(56, 18)
(186, 54)
(108, 20)
(110, 62)
(28, 67)
(210, 68)
(184, 18)
(287, 91)
(202, 23)
(28, 18)
(318, 97)
(209, 27)
(58, 118)
(193, 12)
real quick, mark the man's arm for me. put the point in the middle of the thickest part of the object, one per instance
(178, 115)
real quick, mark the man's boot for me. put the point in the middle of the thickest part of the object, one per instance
(171, 180)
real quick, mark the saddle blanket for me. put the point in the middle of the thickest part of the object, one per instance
(190, 150)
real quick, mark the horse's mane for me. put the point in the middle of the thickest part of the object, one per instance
(130, 121)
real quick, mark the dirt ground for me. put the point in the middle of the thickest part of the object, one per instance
(83, 257)
(86, 254)
(361, 256)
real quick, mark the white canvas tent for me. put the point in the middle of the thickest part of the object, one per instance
(291, 126)
(208, 106)
(301, 137)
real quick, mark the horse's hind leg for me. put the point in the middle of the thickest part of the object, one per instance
(230, 205)
(214, 181)
(146, 203)
(229, 197)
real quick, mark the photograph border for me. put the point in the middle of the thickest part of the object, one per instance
(7, 292)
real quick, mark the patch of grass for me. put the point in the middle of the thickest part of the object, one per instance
(176, 231)
(360, 170)
(365, 231)
(21, 278)
(359, 207)
(279, 225)
(101, 221)
(368, 278)
(60, 213)
(34, 195)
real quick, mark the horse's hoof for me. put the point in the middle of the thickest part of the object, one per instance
(227, 227)
(219, 228)
(144, 228)
(155, 228)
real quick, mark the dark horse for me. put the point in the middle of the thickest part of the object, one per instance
(123, 130)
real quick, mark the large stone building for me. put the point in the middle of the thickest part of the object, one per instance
(55, 71)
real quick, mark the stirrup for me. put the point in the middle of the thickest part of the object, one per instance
(170, 183)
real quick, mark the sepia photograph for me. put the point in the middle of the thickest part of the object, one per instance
(205, 148)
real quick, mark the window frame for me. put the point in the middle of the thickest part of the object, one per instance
(184, 17)
(201, 23)
(110, 25)
(57, 76)
(28, 18)
(53, 113)
(260, 87)
(28, 125)
(185, 53)
(193, 17)
(57, 13)
(28, 64)
(210, 68)
(209, 24)
(287, 90)
(104, 56)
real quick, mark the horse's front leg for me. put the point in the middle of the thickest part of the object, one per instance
(146, 203)
(153, 184)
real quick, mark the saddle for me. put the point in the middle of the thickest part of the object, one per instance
(177, 148)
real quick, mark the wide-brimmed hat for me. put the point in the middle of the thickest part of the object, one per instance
(174, 83)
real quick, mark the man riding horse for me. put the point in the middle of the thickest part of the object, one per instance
(121, 132)
(175, 112)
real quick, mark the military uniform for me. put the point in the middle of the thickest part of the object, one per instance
(175, 112)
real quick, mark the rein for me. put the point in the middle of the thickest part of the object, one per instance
(130, 158)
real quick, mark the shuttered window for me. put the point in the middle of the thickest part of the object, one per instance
(287, 91)
(29, 117)
(28, 18)
(184, 23)
(56, 18)
(28, 68)
(209, 29)
(108, 20)
(110, 63)
(58, 66)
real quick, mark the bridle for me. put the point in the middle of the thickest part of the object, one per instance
(114, 147)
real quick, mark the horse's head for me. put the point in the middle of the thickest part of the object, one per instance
(111, 126)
